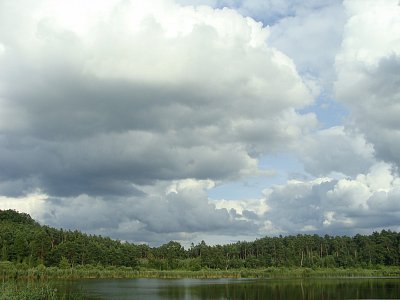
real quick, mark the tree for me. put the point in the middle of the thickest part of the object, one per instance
(64, 263)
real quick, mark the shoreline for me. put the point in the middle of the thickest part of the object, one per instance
(90, 272)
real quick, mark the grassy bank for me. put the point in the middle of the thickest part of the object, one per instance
(20, 271)
(33, 290)
(272, 273)
(12, 290)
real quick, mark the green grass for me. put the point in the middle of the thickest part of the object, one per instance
(33, 290)
(15, 271)
(274, 273)
(12, 290)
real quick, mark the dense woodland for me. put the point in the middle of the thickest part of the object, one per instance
(23, 240)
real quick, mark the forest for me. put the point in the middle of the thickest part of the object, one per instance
(25, 241)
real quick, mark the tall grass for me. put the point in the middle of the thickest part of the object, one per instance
(33, 290)
(12, 290)
(15, 271)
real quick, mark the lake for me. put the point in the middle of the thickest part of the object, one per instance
(310, 289)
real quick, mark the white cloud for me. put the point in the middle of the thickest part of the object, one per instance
(345, 206)
(256, 207)
(34, 204)
(368, 67)
(184, 184)
(370, 33)
(335, 150)
(311, 34)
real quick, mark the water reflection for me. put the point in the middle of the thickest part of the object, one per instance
(156, 289)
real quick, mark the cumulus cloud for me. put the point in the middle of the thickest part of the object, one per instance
(336, 206)
(306, 28)
(310, 32)
(359, 191)
(117, 117)
(336, 150)
(180, 211)
(368, 68)
(121, 114)
(97, 98)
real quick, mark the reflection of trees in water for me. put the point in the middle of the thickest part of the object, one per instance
(287, 289)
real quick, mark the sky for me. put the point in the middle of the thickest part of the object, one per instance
(214, 120)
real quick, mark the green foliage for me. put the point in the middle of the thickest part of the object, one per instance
(30, 246)
(23, 240)
(64, 263)
(13, 290)
(11, 215)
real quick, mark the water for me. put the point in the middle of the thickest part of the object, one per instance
(197, 289)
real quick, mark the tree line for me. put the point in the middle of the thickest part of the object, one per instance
(23, 240)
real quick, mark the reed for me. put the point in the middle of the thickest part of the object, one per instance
(12, 290)
(11, 271)
(33, 290)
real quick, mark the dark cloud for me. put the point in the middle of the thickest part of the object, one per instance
(116, 118)
(98, 108)
(149, 218)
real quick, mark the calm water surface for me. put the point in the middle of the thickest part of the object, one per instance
(311, 289)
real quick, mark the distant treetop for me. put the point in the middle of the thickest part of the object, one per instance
(11, 215)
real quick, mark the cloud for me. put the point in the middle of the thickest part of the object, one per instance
(179, 211)
(309, 32)
(335, 150)
(117, 117)
(368, 66)
(183, 212)
(345, 206)
(33, 203)
(98, 99)
(354, 190)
